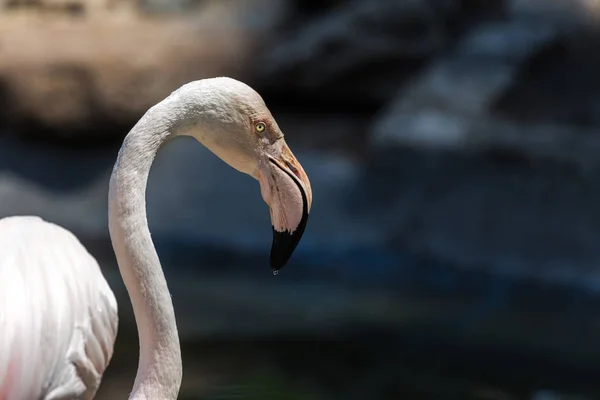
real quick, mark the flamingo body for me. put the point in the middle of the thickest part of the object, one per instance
(58, 316)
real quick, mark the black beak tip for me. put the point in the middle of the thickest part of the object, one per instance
(284, 244)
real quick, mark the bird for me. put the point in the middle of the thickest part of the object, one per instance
(58, 315)
(65, 315)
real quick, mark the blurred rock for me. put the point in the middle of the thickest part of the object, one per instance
(169, 6)
(558, 87)
(492, 212)
(91, 74)
(304, 8)
(361, 52)
(358, 49)
(478, 189)
(438, 107)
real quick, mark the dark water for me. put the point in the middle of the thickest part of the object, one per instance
(441, 333)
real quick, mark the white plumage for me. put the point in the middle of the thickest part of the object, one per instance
(58, 316)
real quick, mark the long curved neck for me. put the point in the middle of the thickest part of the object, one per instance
(160, 368)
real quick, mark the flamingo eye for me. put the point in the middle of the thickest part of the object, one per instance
(260, 127)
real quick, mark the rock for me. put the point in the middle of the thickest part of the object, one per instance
(503, 215)
(92, 75)
(558, 87)
(473, 187)
(169, 6)
(358, 51)
(439, 107)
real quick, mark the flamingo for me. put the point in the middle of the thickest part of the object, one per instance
(58, 316)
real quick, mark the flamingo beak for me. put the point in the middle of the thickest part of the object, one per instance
(285, 187)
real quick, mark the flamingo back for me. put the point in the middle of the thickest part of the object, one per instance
(58, 316)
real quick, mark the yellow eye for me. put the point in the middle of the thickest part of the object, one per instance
(260, 127)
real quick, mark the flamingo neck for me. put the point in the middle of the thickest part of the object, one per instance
(160, 367)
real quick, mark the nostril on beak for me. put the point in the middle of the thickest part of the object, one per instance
(292, 168)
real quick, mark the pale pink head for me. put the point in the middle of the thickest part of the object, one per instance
(232, 120)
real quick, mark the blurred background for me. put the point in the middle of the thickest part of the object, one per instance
(453, 248)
